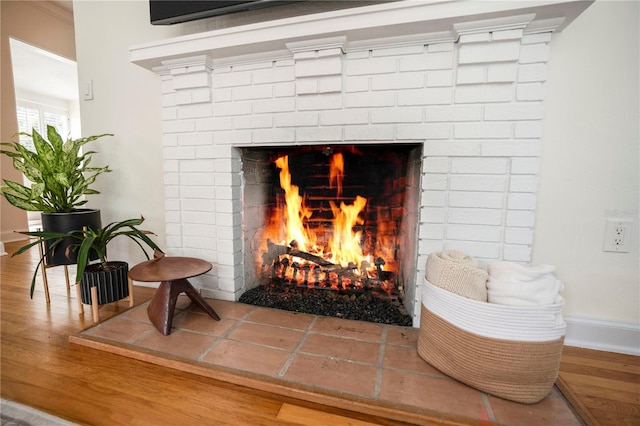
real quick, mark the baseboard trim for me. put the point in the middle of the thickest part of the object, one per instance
(604, 335)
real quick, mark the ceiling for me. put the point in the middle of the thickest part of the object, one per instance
(41, 72)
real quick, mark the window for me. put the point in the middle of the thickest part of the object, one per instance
(32, 115)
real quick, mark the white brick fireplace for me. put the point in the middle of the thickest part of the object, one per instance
(466, 80)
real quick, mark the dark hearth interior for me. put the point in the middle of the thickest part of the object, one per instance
(328, 228)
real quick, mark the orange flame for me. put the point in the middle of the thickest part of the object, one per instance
(345, 245)
(296, 212)
(336, 172)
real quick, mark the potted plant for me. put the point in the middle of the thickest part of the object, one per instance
(61, 176)
(110, 277)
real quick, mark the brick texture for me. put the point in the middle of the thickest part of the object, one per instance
(475, 106)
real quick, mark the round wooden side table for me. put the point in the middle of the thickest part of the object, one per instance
(172, 272)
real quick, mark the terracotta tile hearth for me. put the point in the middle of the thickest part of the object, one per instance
(350, 364)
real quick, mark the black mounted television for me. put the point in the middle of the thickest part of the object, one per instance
(167, 12)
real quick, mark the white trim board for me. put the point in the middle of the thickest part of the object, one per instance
(604, 335)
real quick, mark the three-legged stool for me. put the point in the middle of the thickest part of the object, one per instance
(172, 272)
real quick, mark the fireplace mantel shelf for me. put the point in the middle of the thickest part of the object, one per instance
(362, 28)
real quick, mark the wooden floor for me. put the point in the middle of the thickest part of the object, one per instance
(41, 369)
(603, 387)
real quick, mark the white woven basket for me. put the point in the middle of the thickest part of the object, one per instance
(525, 323)
(506, 351)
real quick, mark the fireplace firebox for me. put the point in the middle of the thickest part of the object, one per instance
(332, 217)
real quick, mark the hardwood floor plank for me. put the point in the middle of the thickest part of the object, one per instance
(612, 418)
(576, 401)
(585, 391)
(601, 364)
(602, 382)
(605, 404)
(610, 374)
(305, 416)
(591, 354)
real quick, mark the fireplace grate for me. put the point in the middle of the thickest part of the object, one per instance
(307, 270)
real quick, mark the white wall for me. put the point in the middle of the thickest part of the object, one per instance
(590, 160)
(125, 103)
(575, 183)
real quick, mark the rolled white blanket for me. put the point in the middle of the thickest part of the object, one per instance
(517, 285)
(459, 273)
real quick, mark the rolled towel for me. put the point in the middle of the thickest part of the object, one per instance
(516, 285)
(458, 273)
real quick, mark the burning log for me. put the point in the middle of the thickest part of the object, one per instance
(310, 257)
(285, 265)
(363, 269)
(306, 268)
(325, 274)
(379, 264)
(274, 268)
(295, 267)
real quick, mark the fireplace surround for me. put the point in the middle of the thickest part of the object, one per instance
(464, 81)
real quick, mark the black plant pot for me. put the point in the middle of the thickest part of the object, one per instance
(112, 283)
(66, 222)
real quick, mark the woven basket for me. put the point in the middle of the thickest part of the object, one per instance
(458, 273)
(518, 370)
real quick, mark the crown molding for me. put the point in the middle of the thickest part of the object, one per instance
(504, 23)
(545, 25)
(382, 25)
(317, 44)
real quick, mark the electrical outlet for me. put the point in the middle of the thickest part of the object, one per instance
(617, 235)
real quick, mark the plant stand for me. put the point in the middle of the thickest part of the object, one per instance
(94, 300)
(45, 281)
(102, 287)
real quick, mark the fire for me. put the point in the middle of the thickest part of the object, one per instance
(336, 172)
(345, 245)
(296, 212)
(337, 229)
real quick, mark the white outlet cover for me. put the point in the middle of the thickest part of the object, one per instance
(611, 235)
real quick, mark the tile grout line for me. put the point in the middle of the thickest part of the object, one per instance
(127, 316)
(355, 339)
(142, 335)
(223, 336)
(335, 358)
(487, 406)
(380, 364)
(295, 350)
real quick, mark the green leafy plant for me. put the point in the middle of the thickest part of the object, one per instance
(60, 173)
(89, 240)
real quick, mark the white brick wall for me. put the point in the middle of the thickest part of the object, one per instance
(475, 105)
